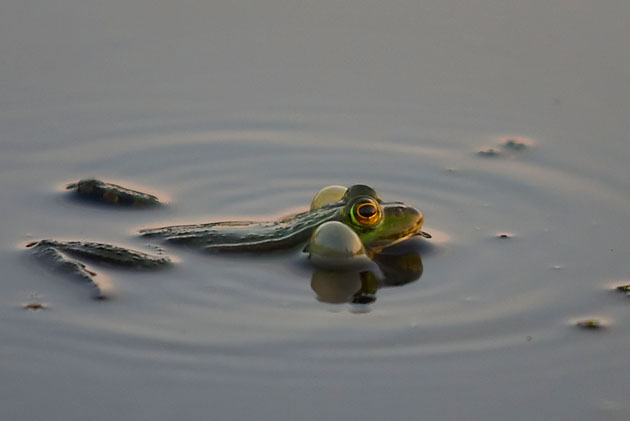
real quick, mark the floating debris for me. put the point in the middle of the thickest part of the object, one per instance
(516, 143)
(504, 235)
(507, 147)
(100, 191)
(590, 324)
(488, 152)
(35, 306)
(56, 254)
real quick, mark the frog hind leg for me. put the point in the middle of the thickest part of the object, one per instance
(66, 257)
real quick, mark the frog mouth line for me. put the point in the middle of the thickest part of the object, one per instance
(398, 238)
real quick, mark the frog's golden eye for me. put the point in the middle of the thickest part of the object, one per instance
(366, 212)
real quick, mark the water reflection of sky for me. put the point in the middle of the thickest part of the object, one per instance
(246, 109)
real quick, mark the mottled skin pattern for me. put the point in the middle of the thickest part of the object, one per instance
(104, 253)
(62, 255)
(247, 235)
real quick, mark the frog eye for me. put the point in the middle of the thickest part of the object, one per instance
(366, 212)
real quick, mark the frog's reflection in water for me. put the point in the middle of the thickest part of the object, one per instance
(360, 287)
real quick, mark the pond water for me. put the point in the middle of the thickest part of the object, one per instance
(244, 111)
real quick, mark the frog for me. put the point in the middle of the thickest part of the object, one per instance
(344, 228)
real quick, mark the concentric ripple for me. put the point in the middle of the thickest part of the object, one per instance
(257, 316)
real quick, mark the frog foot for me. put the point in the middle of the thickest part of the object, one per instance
(63, 256)
(95, 190)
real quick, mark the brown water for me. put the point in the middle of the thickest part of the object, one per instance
(244, 111)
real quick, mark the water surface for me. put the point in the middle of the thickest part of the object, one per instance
(245, 112)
